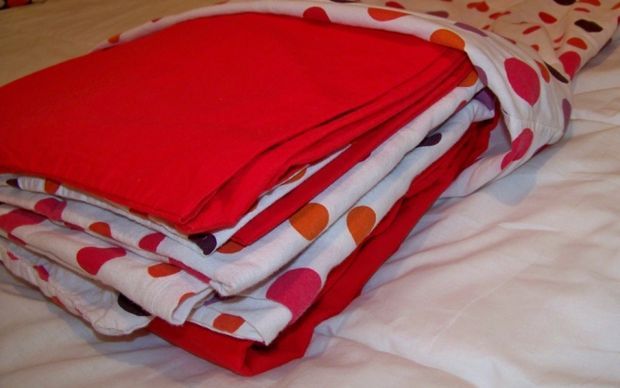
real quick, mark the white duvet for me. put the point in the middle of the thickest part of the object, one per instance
(517, 284)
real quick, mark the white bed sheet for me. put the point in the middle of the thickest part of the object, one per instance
(515, 285)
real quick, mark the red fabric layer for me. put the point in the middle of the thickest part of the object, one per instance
(161, 124)
(282, 209)
(345, 282)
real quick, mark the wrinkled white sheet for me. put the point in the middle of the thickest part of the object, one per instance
(515, 285)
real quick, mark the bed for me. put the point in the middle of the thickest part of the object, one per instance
(516, 284)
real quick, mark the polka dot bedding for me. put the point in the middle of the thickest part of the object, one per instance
(260, 276)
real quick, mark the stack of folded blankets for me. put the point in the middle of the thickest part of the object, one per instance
(231, 181)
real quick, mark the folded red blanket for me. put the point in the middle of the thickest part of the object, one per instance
(345, 281)
(192, 138)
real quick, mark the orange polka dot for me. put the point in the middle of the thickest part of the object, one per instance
(383, 15)
(114, 39)
(577, 42)
(360, 222)
(471, 79)
(448, 38)
(162, 269)
(297, 176)
(186, 296)
(544, 72)
(101, 228)
(230, 247)
(227, 322)
(50, 187)
(310, 220)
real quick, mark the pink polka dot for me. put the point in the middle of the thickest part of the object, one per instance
(296, 289)
(51, 208)
(523, 80)
(317, 14)
(150, 242)
(42, 272)
(571, 61)
(91, 259)
(519, 148)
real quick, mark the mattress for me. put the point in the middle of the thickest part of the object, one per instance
(515, 284)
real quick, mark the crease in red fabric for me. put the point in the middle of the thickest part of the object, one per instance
(344, 282)
(161, 124)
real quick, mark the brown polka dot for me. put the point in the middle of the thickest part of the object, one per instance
(161, 270)
(227, 322)
(360, 221)
(230, 247)
(101, 228)
(310, 220)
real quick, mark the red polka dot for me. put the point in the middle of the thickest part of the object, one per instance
(547, 18)
(592, 2)
(101, 228)
(383, 15)
(479, 6)
(50, 186)
(360, 221)
(570, 61)
(162, 269)
(227, 323)
(114, 39)
(51, 208)
(317, 14)
(310, 220)
(42, 272)
(523, 79)
(531, 29)
(448, 38)
(497, 15)
(57, 302)
(394, 4)
(577, 42)
(581, 9)
(12, 256)
(18, 217)
(617, 6)
(91, 259)
(296, 289)
(520, 146)
(150, 242)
